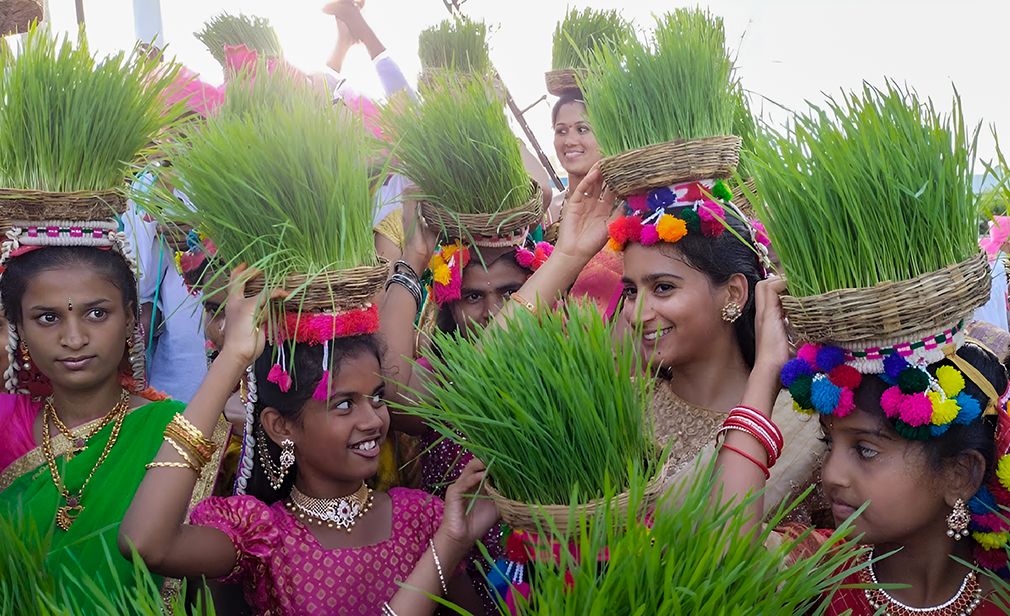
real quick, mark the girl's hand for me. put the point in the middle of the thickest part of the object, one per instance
(583, 231)
(458, 526)
(243, 339)
(772, 342)
(419, 240)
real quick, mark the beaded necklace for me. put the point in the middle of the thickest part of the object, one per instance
(961, 604)
(341, 512)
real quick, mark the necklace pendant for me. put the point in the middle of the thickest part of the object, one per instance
(67, 514)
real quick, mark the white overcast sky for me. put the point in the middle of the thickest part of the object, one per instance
(789, 51)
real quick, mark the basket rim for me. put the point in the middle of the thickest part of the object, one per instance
(454, 225)
(29, 204)
(373, 279)
(618, 169)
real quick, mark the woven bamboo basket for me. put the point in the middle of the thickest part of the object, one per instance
(655, 166)
(454, 225)
(562, 81)
(18, 15)
(176, 235)
(910, 309)
(526, 517)
(740, 198)
(35, 205)
(336, 290)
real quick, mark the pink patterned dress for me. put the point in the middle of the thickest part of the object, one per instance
(285, 572)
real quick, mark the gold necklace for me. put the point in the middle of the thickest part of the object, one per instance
(68, 513)
(333, 512)
(964, 602)
(80, 443)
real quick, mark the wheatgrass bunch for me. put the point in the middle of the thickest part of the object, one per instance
(580, 33)
(255, 33)
(457, 146)
(874, 186)
(679, 85)
(279, 178)
(458, 44)
(692, 558)
(69, 122)
(549, 403)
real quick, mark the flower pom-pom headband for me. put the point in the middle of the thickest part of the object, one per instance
(449, 260)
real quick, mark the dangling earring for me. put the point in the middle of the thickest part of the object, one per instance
(24, 353)
(731, 312)
(275, 473)
(957, 521)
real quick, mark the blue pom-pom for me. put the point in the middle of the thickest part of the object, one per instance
(938, 430)
(824, 395)
(970, 409)
(894, 364)
(983, 502)
(794, 368)
(830, 358)
(661, 198)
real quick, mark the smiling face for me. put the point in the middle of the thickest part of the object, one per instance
(76, 326)
(574, 142)
(337, 441)
(868, 461)
(676, 306)
(484, 292)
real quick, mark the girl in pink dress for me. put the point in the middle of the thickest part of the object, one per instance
(309, 537)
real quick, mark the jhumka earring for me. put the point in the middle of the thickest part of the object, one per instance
(957, 521)
(731, 312)
(24, 353)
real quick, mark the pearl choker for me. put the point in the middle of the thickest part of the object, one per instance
(341, 512)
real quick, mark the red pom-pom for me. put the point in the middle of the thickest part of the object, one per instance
(516, 549)
(618, 230)
(845, 376)
(633, 225)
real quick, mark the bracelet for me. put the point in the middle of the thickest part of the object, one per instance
(185, 455)
(438, 565)
(757, 431)
(168, 465)
(761, 419)
(763, 468)
(727, 428)
(199, 450)
(522, 302)
(191, 436)
(405, 281)
(413, 273)
(386, 610)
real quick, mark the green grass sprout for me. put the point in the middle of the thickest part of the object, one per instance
(255, 33)
(581, 32)
(458, 44)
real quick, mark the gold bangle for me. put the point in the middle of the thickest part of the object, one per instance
(522, 302)
(168, 465)
(194, 433)
(185, 456)
(199, 450)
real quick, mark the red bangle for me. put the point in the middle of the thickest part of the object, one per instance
(745, 424)
(760, 419)
(726, 427)
(763, 468)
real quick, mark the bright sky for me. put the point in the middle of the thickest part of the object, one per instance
(789, 51)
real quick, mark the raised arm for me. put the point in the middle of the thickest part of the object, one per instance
(154, 523)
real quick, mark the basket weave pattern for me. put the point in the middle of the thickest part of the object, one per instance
(525, 517)
(561, 82)
(454, 225)
(655, 166)
(910, 309)
(336, 290)
(16, 204)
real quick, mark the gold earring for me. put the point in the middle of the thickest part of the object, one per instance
(957, 521)
(24, 353)
(731, 312)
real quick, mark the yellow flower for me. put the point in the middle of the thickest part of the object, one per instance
(1003, 471)
(440, 270)
(670, 228)
(951, 380)
(944, 409)
(990, 541)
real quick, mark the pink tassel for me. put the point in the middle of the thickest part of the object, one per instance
(281, 377)
(322, 390)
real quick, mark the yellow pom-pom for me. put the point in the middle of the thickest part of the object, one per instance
(178, 261)
(1003, 471)
(440, 271)
(944, 409)
(800, 409)
(670, 228)
(990, 541)
(951, 380)
(615, 245)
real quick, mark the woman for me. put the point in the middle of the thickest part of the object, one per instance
(574, 145)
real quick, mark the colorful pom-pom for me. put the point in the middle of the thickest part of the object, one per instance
(970, 408)
(638, 203)
(983, 502)
(323, 388)
(890, 401)
(800, 409)
(990, 541)
(824, 395)
(615, 245)
(524, 257)
(950, 379)
(670, 228)
(829, 358)
(991, 523)
(618, 230)
(633, 225)
(935, 430)
(915, 410)
(993, 560)
(691, 220)
(719, 191)
(760, 233)
(661, 198)
(1003, 471)
(808, 353)
(911, 433)
(894, 364)
(846, 377)
(944, 409)
(712, 218)
(280, 377)
(800, 391)
(913, 381)
(846, 403)
(649, 235)
(794, 368)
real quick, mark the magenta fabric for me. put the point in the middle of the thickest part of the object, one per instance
(17, 419)
(285, 572)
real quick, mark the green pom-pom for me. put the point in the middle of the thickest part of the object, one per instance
(913, 381)
(800, 391)
(692, 221)
(719, 191)
(912, 433)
